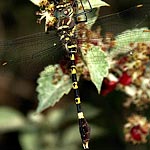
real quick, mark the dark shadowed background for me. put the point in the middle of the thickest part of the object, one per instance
(17, 18)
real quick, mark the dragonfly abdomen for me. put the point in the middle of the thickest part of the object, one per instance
(66, 28)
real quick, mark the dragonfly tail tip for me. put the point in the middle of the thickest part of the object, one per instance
(86, 145)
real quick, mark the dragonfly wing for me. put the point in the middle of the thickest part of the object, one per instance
(130, 18)
(28, 55)
(122, 29)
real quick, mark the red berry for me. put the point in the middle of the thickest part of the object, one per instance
(107, 86)
(125, 79)
(64, 65)
(136, 133)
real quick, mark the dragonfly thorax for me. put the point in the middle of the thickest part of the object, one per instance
(63, 11)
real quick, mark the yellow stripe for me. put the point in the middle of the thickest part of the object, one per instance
(67, 39)
(62, 37)
(72, 57)
(73, 66)
(77, 100)
(63, 27)
(75, 85)
(67, 4)
(80, 115)
(63, 5)
(73, 71)
(69, 21)
(73, 50)
(59, 6)
(72, 46)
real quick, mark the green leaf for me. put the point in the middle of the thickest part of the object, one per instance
(94, 4)
(124, 39)
(91, 18)
(93, 15)
(55, 118)
(48, 92)
(97, 64)
(10, 119)
(29, 140)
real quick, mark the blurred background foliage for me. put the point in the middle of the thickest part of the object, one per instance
(56, 128)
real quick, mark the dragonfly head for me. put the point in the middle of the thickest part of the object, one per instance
(54, 10)
(65, 8)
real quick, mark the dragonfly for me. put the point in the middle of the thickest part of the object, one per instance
(27, 55)
(23, 54)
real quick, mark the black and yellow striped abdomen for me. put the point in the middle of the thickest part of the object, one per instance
(66, 31)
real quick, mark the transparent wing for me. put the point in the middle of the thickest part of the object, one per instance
(133, 17)
(125, 27)
(29, 54)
